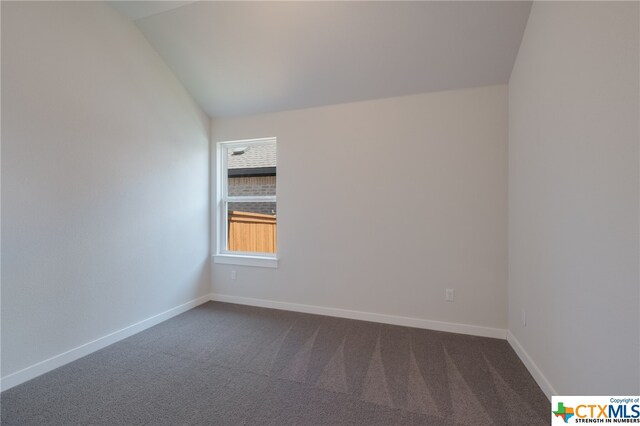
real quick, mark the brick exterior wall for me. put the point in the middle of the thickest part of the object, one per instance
(260, 185)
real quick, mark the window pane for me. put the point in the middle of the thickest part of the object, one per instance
(252, 170)
(251, 227)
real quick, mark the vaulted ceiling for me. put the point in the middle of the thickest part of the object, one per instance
(241, 58)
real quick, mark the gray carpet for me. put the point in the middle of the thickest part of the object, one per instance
(230, 364)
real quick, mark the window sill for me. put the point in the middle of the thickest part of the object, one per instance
(234, 259)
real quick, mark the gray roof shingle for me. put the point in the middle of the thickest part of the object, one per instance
(255, 156)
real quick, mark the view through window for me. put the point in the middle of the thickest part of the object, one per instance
(248, 203)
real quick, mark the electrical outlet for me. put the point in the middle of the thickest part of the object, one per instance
(234, 275)
(524, 318)
(448, 295)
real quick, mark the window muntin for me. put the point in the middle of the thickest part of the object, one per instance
(247, 198)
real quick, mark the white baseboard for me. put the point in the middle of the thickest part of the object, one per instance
(52, 363)
(533, 368)
(451, 327)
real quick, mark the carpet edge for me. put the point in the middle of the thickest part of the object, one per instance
(473, 330)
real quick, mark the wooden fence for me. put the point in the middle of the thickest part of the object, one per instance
(252, 232)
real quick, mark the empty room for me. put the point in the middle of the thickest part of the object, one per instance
(320, 213)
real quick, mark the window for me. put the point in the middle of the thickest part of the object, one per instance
(246, 208)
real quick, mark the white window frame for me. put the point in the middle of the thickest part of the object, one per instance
(222, 255)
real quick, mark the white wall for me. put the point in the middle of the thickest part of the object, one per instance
(573, 196)
(383, 204)
(104, 181)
